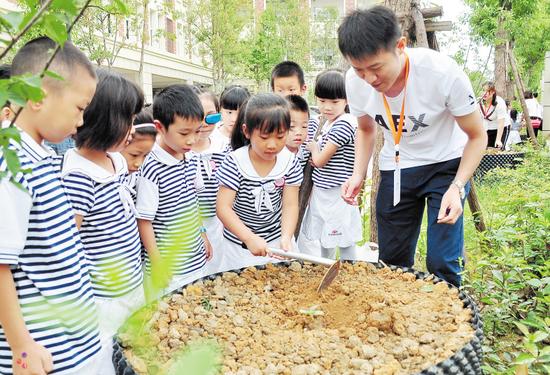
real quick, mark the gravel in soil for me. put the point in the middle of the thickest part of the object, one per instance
(272, 321)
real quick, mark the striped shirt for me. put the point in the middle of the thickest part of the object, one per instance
(47, 261)
(166, 197)
(259, 200)
(109, 228)
(204, 181)
(339, 168)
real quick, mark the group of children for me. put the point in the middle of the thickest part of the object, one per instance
(152, 198)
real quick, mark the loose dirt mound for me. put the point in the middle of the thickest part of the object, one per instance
(272, 321)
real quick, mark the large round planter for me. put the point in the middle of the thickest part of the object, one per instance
(466, 361)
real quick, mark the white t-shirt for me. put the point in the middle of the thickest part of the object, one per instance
(534, 108)
(492, 114)
(437, 91)
(218, 140)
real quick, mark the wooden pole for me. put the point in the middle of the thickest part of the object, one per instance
(375, 184)
(475, 207)
(519, 87)
(420, 27)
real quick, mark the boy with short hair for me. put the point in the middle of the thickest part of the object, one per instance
(48, 319)
(298, 133)
(287, 78)
(167, 204)
(434, 139)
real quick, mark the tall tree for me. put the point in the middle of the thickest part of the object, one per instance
(218, 26)
(281, 33)
(324, 43)
(266, 49)
(105, 29)
(496, 21)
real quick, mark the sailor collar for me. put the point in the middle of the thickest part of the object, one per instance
(74, 162)
(285, 161)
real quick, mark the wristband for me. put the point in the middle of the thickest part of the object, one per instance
(202, 229)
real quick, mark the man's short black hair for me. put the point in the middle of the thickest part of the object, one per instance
(108, 118)
(365, 32)
(287, 69)
(33, 57)
(177, 100)
(297, 103)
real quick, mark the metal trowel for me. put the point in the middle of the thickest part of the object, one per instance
(330, 275)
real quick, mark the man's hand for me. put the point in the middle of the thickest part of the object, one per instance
(31, 359)
(498, 144)
(451, 206)
(351, 188)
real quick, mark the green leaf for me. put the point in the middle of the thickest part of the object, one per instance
(532, 348)
(540, 336)
(12, 161)
(497, 274)
(11, 133)
(524, 359)
(14, 19)
(428, 288)
(535, 283)
(54, 75)
(198, 359)
(522, 328)
(68, 6)
(55, 28)
(120, 6)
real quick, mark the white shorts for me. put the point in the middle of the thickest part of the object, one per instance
(331, 220)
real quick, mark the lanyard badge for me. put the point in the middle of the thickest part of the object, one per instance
(397, 131)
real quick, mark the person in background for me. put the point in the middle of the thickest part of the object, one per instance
(493, 110)
(535, 111)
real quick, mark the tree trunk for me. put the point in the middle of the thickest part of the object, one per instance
(375, 184)
(500, 58)
(420, 27)
(520, 89)
(475, 207)
(144, 39)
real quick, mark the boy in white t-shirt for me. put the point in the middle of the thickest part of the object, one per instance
(434, 138)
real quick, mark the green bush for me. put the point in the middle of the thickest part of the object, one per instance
(508, 269)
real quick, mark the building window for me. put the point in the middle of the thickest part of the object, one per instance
(170, 36)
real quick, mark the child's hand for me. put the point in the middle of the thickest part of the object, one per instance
(257, 246)
(31, 359)
(312, 146)
(286, 244)
(207, 246)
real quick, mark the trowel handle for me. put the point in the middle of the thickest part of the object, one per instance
(301, 256)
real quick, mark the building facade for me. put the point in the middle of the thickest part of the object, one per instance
(170, 55)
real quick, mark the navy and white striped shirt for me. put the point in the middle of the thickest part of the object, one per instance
(339, 168)
(166, 196)
(259, 200)
(109, 228)
(47, 261)
(204, 181)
